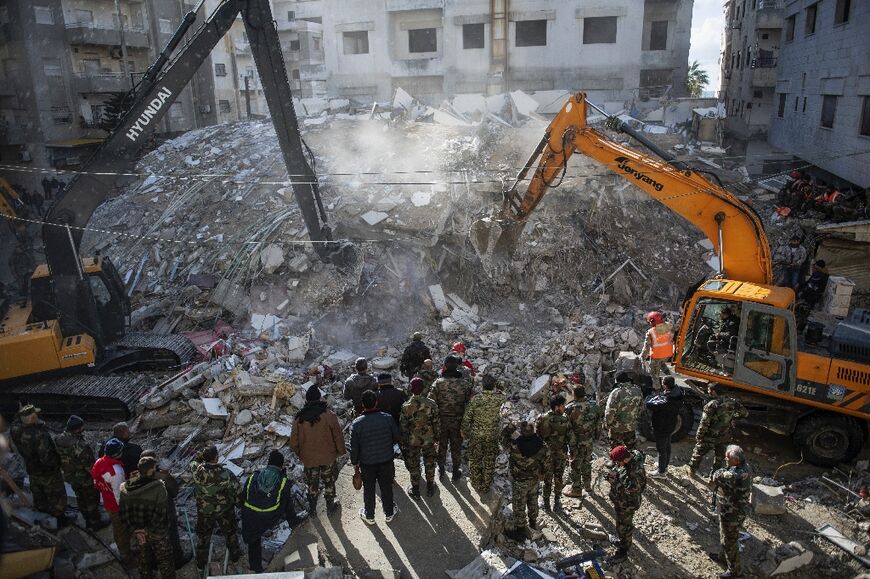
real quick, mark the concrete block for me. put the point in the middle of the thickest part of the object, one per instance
(768, 500)
(539, 386)
(374, 217)
(785, 559)
(439, 300)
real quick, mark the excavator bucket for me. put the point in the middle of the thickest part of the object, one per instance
(495, 240)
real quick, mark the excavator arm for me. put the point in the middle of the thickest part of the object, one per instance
(732, 226)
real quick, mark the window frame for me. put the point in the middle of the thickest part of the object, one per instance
(422, 35)
(596, 23)
(224, 109)
(814, 10)
(220, 69)
(353, 39)
(780, 109)
(841, 14)
(528, 42)
(864, 125)
(790, 24)
(651, 27)
(832, 110)
(466, 36)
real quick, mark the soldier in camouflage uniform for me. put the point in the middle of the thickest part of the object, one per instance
(480, 428)
(528, 458)
(554, 428)
(429, 375)
(143, 509)
(732, 485)
(419, 426)
(715, 430)
(76, 459)
(584, 417)
(627, 480)
(451, 393)
(623, 408)
(217, 492)
(37, 449)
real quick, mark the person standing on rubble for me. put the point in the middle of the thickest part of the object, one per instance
(732, 485)
(658, 346)
(480, 428)
(76, 459)
(42, 461)
(267, 496)
(142, 506)
(217, 491)
(664, 409)
(791, 259)
(716, 428)
(429, 374)
(451, 393)
(466, 367)
(372, 437)
(418, 428)
(132, 451)
(622, 411)
(171, 484)
(390, 398)
(554, 428)
(318, 441)
(358, 383)
(413, 356)
(108, 474)
(584, 420)
(528, 457)
(627, 480)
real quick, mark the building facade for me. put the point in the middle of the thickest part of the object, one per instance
(822, 106)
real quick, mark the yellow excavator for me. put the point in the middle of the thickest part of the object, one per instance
(819, 394)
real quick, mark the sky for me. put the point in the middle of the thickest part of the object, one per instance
(708, 22)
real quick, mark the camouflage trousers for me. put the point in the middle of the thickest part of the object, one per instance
(451, 433)
(49, 494)
(481, 455)
(626, 437)
(412, 456)
(121, 534)
(88, 501)
(581, 467)
(657, 371)
(702, 447)
(205, 526)
(729, 532)
(625, 522)
(554, 474)
(319, 478)
(524, 497)
(156, 554)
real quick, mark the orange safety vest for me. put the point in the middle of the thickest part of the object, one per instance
(661, 344)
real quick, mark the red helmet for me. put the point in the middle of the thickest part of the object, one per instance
(655, 318)
(795, 174)
(458, 347)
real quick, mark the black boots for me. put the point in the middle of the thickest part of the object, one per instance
(547, 504)
(441, 472)
(618, 557)
(413, 491)
(457, 474)
(430, 488)
(312, 505)
(518, 534)
(557, 503)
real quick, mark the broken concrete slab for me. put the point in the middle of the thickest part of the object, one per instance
(768, 500)
(271, 258)
(439, 300)
(785, 559)
(297, 347)
(539, 387)
(373, 217)
(421, 198)
(340, 359)
(384, 362)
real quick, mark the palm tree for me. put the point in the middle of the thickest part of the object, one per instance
(696, 79)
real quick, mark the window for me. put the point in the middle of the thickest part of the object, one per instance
(294, 45)
(220, 69)
(829, 110)
(165, 26)
(598, 30)
(789, 27)
(472, 36)
(176, 111)
(224, 106)
(43, 14)
(84, 17)
(356, 42)
(294, 74)
(658, 35)
(531, 33)
(756, 94)
(810, 25)
(841, 14)
(316, 44)
(291, 15)
(805, 105)
(780, 111)
(422, 40)
(51, 66)
(795, 103)
(765, 36)
(865, 116)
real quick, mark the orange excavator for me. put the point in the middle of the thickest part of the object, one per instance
(819, 394)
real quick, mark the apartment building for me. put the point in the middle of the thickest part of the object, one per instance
(752, 40)
(364, 50)
(822, 106)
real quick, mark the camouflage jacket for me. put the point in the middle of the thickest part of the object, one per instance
(217, 490)
(37, 448)
(627, 481)
(623, 407)
(418, 422)
(733, 484)
(429, 377)
(584, 417)
(525, 468)
(143, 504)
(451, 395)
(76, 458)
(718, 415)
(482, 416)
(555, 430)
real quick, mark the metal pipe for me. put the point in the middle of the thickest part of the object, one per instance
(720, 219)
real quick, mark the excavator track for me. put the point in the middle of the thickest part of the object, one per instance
(146, 351)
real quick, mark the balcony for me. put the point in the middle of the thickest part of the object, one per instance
(764, 77)
(102, 82)
(769, 14)
(78, 33)
(403, 5)
(764, 62)
(299, 26)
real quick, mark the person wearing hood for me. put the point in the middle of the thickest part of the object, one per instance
(267, 496)
(390, 398)
(108, 475)
(664, 409)
(171, 485)
(528, 456)
(142, 506)
(318, 441)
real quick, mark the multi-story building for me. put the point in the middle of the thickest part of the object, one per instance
(753, 30)
(431, 48)
(822, 106)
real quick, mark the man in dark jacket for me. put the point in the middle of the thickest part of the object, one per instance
(266, 498)
(372, 437)
(142, 506)
(358, 383)
(664, 408)
(390, 398)
(132, 451)
(413, 356)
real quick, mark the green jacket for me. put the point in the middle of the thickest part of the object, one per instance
(482, 416)
(627, 481)
(555, 430)
(143, 504)
(217, 490)
(76, 458)
(734, 484)
(451, 395)
(419, 423)
(718, 415)
(528, 458)
(37, 448)
(584, 417)
(624, 405)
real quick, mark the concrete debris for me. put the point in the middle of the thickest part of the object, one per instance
(374, 217)
(768, 500)
(785, 559)
(488, 565)
(271, 258)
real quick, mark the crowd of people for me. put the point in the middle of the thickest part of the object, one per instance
(805, 193)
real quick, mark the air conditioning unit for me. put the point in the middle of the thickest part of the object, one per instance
(204, 109)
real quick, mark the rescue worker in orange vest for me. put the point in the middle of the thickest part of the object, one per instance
(658, 346)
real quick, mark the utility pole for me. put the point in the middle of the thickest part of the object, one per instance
(248, 94)
(125, 68)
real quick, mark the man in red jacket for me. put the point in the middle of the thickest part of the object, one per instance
(108, 474)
